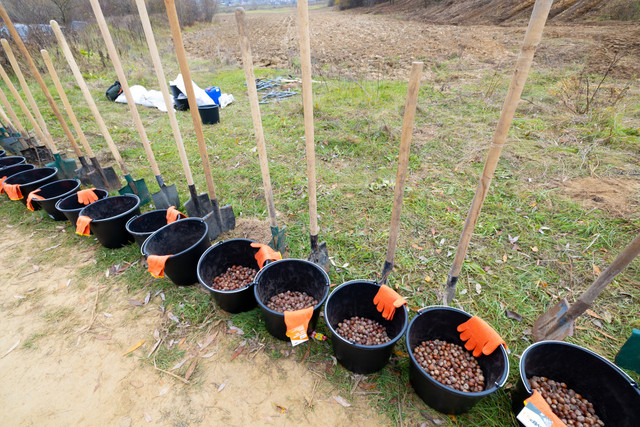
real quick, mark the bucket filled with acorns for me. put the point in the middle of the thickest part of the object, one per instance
(570, 384)
(290, 293)
(448, 376)
(228, 270)
(362, 338)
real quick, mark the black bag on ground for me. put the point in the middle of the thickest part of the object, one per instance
(114, 90)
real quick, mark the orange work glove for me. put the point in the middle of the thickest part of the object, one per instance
(88, 196)
(479, 336)
(174, 214)
(2, 184)
(387, 300)
(297, 321)
(538, 401)
(13, 191)
(265, 253)
(156, 265)
(32, 196)
(82, 225)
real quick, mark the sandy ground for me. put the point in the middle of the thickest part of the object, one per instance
(68, 366)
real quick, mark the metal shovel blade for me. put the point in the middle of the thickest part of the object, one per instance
(66, 167)
(105, 178)
(37, 155)
(12, 145)
(199, 207)
(166, 197)
(137, 187)
(84, 171)
(319, 254)
(552, 325)
(228, 218)
(277, 242)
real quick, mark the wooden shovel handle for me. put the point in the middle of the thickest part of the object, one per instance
(403, 158)
(606, 277)
(117, 65)
(307, 103)
(67, 105)
(14, 117)
(523, 64)
(48, 139)
(87, 95)
(172, 14)
(34, 70)
(23, 107)
(247, 62)
(157, 65)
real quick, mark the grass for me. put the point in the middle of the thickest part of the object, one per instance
(357, 127)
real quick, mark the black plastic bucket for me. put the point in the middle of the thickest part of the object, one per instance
(32, 179)
(615, 396)
(53, 192)
(216, 260)
(10, 161)
(355, 298)
(181, 104)
(441, 323)
(3, 153)
(209, 114)
(185, 240)
(145, 225)
(12, 170)
(289, 275)
(71, 207)
(109, 217)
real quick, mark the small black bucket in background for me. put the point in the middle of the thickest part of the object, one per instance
(10, 161)
(615, 396)
(32, 179)
(53, 192)
(216, 260)
(109, 217)
(355, 298)
(180, 100)
(71, 207)
(145, 225)
(210, 114)
(12, 170)
(185, 240)
(441, 323)
(289, 275)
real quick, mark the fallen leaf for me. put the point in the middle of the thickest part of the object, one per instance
(463, 291)
(136, 303)
(607, 317)
(238, 350)
(427, 279)
(147, 417)
(592, 313)
(97, 382)
(504, 258)
(513, 315)
(134, 348)
(191, 368)
(597, 323)
(513, 240)
(433, 231)
(13, 347)
(413, 245)
(179, 364)
(478, 288)
(282, 409)
(102, 337)
(223, 385)
(596, 270)
(147, 298)
(105, 314)
(341, 401)
(163, 391)
(534, 248)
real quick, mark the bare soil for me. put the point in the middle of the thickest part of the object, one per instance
(68, 367)
(356, 45)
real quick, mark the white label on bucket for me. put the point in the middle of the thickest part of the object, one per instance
(530, 416)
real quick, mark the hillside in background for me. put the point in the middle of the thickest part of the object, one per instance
(497, 12)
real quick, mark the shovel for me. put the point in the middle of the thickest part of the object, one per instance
(168, 195)
(219, 219)
(403, 164)
(531, 41)
(46, 151)
(277, 235)
(63, 166)
(197, 205)
(557, 323)
(66, 167)
(319, 254)
(98, 176)
(137, 187)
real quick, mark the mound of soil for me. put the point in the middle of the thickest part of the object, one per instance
(613, 195)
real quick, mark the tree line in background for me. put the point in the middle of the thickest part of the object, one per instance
(67, 11)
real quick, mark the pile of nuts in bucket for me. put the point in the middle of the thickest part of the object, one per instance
(236, 277)
(291, 301)
(569, 406)
(450, 364)
(362, 331)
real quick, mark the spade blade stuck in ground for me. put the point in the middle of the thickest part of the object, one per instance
(167, 196)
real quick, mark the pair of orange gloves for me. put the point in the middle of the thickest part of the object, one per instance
(157, 263)
(85, 197)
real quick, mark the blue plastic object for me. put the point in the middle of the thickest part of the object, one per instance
(214, 93)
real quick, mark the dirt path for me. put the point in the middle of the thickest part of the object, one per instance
(68, 369)
(356, 45)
